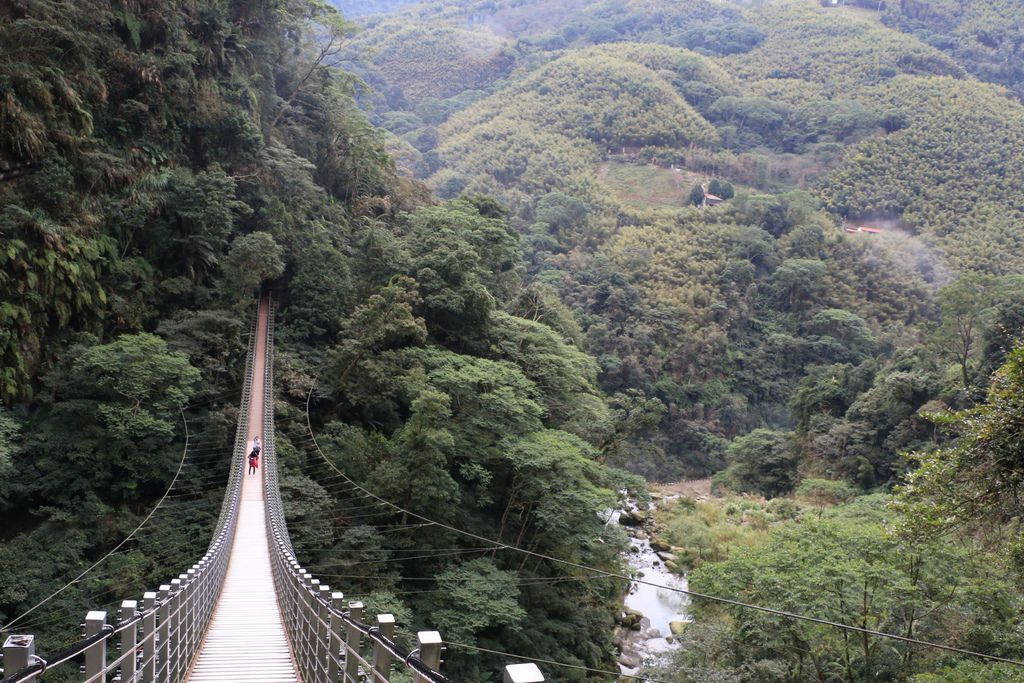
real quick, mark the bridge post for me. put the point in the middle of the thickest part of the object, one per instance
(129, 641)
(323, 632)
(293, 615)
(174, 634)
(96, 655)
(149, 637)
(163, 655)
(352, 638)
(381, 656)
(313, 633)
(18, 653)
(192, 613)
(205, 597)
(523, 673)
(430, 652)
(307, 612)
(333, 664)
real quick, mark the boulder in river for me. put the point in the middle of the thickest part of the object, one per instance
(631, 619)
(630, 660)
(631, 518)
(660, 546)
(667, 557)
(677, 627)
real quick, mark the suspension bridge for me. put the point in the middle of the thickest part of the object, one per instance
(247, 610)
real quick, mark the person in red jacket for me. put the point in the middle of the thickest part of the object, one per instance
(254, 461)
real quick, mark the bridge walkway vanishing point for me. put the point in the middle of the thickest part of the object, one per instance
(246, 640)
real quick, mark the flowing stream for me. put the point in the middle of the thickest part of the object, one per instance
(658, 606)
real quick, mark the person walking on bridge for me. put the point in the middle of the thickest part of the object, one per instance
(254, 455)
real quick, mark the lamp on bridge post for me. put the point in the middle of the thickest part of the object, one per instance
(129, 641)
(149, 636)
(96, 655)
(337, 624)
(430, 652)
(18, 651)
(352, 638)
(381, 656)
(523, 673)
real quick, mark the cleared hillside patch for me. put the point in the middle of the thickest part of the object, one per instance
(645, 186)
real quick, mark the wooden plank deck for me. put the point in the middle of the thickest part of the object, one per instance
(246, 642)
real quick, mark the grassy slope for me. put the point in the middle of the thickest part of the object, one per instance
(646, 186)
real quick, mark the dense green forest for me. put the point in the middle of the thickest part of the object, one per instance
(505, 300)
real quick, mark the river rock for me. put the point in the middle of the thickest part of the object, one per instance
(640, 534)
(677, 627)
(631, 619)
(631, 518)
(634, 548)
(630, 660)
(660, 546)
(673, 567)
(667, 557)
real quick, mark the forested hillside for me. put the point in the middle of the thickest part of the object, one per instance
(719, 320)
(527, 253)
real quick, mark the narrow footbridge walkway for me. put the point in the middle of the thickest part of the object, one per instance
(246, 641)
(247, 611)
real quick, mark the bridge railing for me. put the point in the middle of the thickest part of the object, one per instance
(159, 641)
(326, 632)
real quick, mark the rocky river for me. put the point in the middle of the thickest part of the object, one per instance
(651, 617)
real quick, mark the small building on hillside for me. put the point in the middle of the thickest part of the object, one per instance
(712, 199)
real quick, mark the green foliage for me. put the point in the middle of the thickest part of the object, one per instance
(798, 283)
(422, 451)
(905, 174)
(166, 156)
(709, 531)
(974, 479)
(697, 194)
(760, 461)
(980, 36)
(51, 278)
(479, 597)
(544, 132)
(851, 572)
(824, 492)
(136, 384)
(9, 429)
(252, 259)
(437, 61)
(841, 51)
(971, 672)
